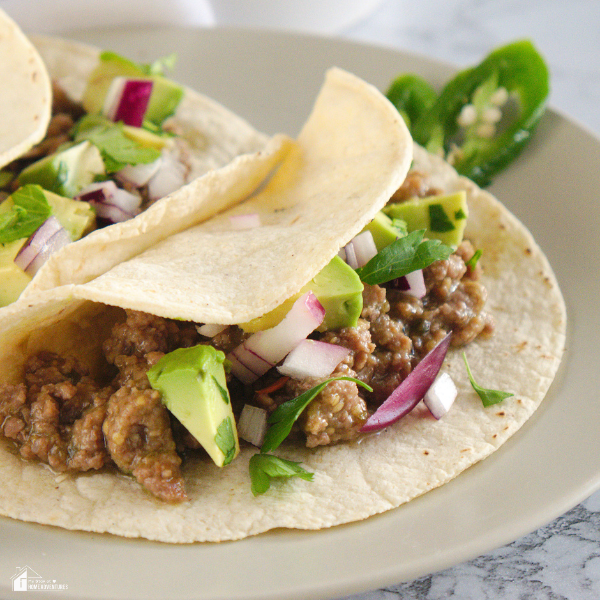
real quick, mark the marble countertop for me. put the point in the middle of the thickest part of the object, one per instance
(560, 561)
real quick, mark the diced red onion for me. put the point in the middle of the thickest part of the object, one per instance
(360, 250)
(411, 391)
(252, 425)
(412, 284)
(140, 174)
(111, 202)
(247, 221)
(170, 176)
(210, 329)
(48, 238)
(441, 395)
(264, 349)
(127, 100)
(311, 358)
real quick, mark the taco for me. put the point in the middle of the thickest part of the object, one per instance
(26, 97)
(82, 364)
(121, 139)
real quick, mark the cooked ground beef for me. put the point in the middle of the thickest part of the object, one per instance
(61, 416)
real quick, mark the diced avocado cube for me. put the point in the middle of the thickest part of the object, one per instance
(13, 280)
(164, 99)
(443, 217)
(66, 172)
(77, 217)
(337, 287)
(193, 387)
(383, 231)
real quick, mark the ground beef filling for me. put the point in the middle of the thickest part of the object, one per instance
(61, 416)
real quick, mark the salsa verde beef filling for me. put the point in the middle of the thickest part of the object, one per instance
(73, 422)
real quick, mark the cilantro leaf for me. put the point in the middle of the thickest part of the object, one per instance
(264, 467)
(225, 440)
(286, 414)
(472, 262)
(488, 397)
(116, 148)
(222, 391)
(404, 255)
(30, 209)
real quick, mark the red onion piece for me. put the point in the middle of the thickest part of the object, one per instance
(411, 391)
(252, 425)
(127, 100)
(48, 238)
(311, 358)
(264, 349)
(441, 395)
(140, 174)
(110, 202)
(360, 250)
(247, 221)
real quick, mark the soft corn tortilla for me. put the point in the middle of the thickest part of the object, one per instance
(26, 98)
(216, 137)
(355, 171)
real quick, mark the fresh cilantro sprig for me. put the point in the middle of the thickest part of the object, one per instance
(404, 255)
(116, 148)
(30, 209)
(488, 397)
(264, 467)
(284, 417)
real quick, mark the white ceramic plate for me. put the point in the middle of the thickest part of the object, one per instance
(549, 466)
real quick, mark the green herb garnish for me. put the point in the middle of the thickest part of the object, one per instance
(222, 391)
(264, 467)
(116, 148)
(472, 262)
(30, 209)
(404, 255)
(225, 440)
(488, 397)
(439, 221)
(284, 417)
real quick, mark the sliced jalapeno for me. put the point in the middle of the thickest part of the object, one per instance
(412, 96)
(485, 115)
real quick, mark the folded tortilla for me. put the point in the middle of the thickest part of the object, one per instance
(216, 137)
(26, 99)
(348, 160)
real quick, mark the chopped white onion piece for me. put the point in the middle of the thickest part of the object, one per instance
(48, 238)
(264, 349)
(170, 176)
(441, 395)
(111, 202)
(252, 425)
(311, 358)
(413, 284)
(210, 329)
(140, 174)
(246, 221)
(360, 250)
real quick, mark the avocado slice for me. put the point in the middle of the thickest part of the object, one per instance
(166, 94)
(443, 217)
(383, 230)
(193, 387)
(337, 287)
(13, 280)
(66, 172)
